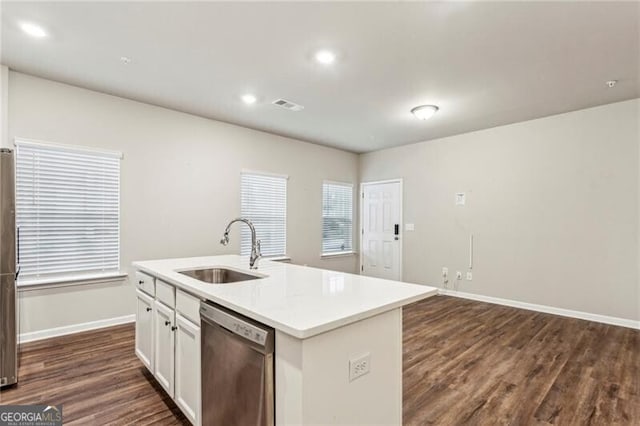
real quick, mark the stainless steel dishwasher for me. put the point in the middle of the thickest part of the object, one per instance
(237, 369)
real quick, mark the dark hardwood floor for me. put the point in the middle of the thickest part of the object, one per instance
(465, 362)
(97, 378)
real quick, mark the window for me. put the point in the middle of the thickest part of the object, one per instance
(67, 212)
(337, 218)
(264, 202)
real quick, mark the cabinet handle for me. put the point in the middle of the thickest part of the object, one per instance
(174, 328)
(149, 309)
(167, 322)
(141, 282)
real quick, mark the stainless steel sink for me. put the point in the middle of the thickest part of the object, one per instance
(219, 275)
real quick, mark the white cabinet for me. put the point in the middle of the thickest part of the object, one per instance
(145, 283)
(164, 324)
(168, 341)
(187, 385)
(144, 329)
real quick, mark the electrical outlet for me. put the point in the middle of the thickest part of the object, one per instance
(359, 366)
(469, 276)
(458, 275)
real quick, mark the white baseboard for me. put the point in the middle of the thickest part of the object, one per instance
(74, 328)
(546, 309)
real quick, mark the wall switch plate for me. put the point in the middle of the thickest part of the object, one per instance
(469, 276)
(359, 366)
(458, 275)
(460, 199)
(409, 227)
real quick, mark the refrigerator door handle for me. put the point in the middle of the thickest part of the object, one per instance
(17, 251)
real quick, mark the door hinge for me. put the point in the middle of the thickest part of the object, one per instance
(362, 268)
(362, 231)
(363, 195)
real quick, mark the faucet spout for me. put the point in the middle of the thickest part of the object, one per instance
(255, 243)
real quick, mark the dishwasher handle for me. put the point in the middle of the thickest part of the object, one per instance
(261, 336)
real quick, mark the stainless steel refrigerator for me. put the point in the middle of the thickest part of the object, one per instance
(8, 272)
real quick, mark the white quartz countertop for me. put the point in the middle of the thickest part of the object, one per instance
(298, 300)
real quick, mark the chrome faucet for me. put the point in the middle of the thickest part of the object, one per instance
(255, 243)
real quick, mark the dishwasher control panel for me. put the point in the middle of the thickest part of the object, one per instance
(249, 332)
(235, 324)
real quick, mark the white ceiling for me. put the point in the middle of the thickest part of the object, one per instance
(484, 64)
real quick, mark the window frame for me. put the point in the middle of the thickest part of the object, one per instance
(72, 278)
(324, 254)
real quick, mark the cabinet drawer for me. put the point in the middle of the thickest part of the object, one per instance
(166, 293)
(145, 283)
(188, 306)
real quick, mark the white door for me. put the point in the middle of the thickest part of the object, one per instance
(164, 342)
(144, 329)
(381, 230)
(187, 386)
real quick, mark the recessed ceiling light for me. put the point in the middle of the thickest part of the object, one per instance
(424, 112)
(611, 83)
(249, 99)
(125, 60)
(33, 30)
(325, 57)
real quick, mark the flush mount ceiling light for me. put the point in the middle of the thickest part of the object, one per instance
(424, 112)
(249, 99)
(611, 83)
(125, 60)
(325, 57)
(33, 30)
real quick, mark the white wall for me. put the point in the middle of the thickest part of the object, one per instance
(180, 185)
(553, 204)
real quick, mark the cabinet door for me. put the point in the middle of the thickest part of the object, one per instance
(144, 329)
(187, 386)
(164, 341)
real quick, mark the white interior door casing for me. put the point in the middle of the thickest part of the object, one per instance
(381, 247)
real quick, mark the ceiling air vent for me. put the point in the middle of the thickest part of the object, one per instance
(287, 105)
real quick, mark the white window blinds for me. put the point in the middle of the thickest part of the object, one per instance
(67, 211)
(337, 217)
(264, 203)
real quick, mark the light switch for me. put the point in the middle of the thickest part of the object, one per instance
(460, 199)
(409, 227)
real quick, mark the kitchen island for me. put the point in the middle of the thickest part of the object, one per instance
(338, 336)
